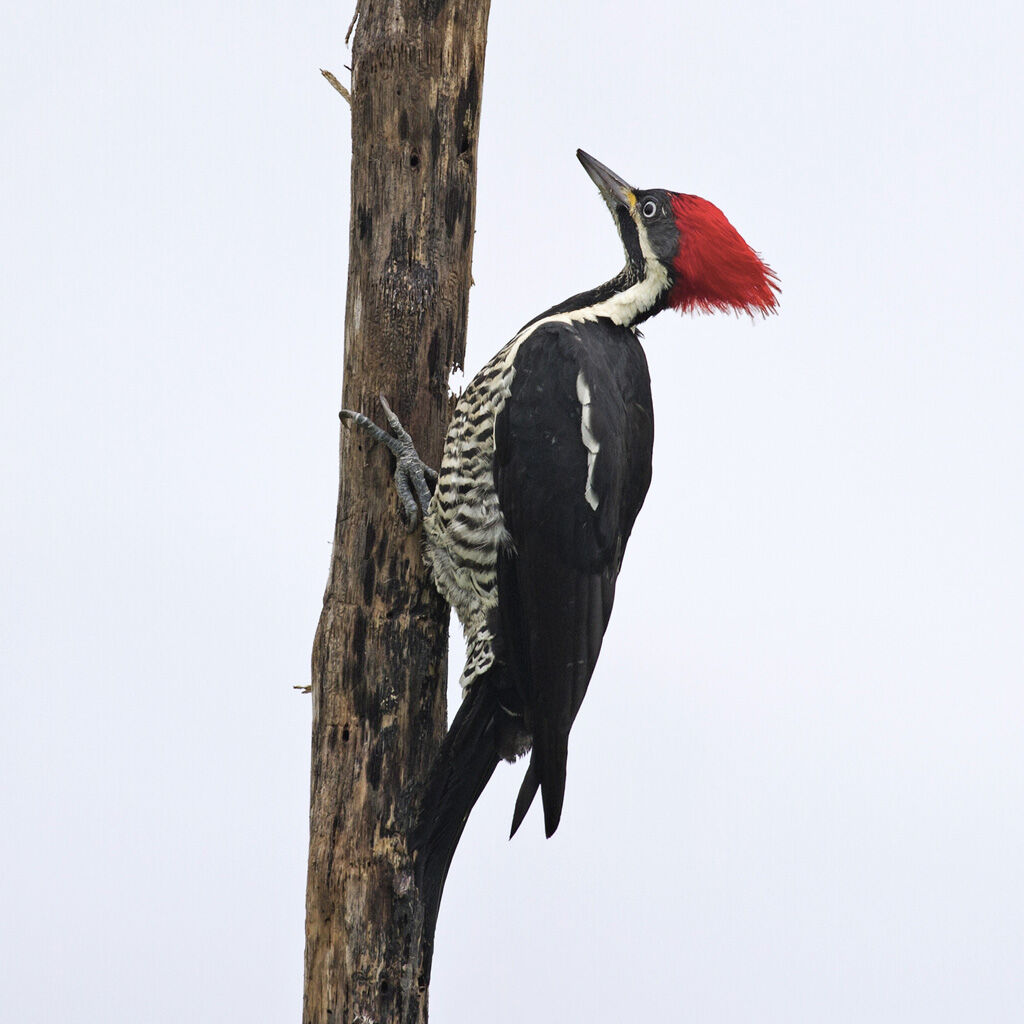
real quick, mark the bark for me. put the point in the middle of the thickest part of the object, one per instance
(379, 657)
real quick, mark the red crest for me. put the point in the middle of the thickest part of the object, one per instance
(714, 268)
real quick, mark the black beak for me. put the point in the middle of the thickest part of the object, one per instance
(613, 188)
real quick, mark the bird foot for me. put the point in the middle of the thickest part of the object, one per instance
(414, 479)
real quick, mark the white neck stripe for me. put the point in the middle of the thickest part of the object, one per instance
(623, 308)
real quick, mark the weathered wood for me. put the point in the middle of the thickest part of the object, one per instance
(379, 657)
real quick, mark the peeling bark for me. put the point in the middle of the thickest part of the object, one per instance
(380, 652)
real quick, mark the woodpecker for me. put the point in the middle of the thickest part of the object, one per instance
(546, 464)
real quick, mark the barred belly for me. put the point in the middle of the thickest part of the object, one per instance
(464, 526)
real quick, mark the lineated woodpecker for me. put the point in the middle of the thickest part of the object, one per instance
(546, 464)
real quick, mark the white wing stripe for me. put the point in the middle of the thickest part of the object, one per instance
(590, 442)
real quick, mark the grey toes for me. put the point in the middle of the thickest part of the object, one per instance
(413, 478)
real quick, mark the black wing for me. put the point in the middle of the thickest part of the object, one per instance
(569, 516)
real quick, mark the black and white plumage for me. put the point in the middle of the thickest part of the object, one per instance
(527, 550)
(546, 465)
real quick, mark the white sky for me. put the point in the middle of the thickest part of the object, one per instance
(796, 787)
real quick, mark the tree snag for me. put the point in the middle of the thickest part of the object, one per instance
(380, 654)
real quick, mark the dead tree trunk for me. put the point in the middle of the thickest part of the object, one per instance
(379, 657)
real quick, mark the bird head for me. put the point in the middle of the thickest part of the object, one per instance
(708, 265)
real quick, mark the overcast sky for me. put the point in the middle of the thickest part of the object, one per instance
(795, 789)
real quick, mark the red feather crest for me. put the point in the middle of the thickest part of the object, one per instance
(714, 268)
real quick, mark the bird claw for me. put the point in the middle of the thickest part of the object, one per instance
(411, 472)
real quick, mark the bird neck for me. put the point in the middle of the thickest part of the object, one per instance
(636, 293)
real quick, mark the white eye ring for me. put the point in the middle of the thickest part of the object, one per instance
(649, 209)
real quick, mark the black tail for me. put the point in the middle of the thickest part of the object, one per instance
(465, 763)
(527, 791)
(546, 772)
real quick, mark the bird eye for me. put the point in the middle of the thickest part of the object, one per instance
(649, 209)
